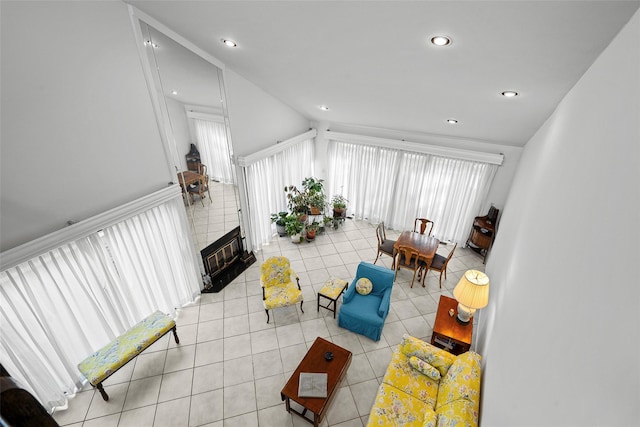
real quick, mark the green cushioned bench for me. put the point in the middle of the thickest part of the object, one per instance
(106, 361)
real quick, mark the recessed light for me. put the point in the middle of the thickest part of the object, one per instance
(229, 43)
(452, 121)
(324, 108)
(150, 43)
(440, 40)
(509, 93)
(174, 92)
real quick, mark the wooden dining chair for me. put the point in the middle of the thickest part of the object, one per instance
(385, 246)
(200, 187)
(425, 225)
(202, 170)
(439, 264)
(410, 259)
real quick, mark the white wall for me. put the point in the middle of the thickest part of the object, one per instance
(257, 119)
(180, 127)
(78, 132)
(559, 337)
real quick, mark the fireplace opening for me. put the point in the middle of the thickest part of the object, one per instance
(225, 259)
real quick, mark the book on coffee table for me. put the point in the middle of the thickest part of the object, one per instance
(312, 384)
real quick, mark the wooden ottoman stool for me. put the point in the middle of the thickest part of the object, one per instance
(332, 290)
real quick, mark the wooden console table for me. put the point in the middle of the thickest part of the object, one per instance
(448, 333)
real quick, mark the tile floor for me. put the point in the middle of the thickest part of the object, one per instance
(231, 365)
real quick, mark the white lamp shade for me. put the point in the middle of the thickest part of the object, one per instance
(473, 289)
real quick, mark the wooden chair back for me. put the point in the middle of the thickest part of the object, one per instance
(424, 224)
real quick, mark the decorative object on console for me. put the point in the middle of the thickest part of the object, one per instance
(471, 292)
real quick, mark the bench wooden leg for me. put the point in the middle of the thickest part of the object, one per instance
(175, 335)
(104, 394)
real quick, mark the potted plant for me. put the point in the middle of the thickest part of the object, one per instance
(313, 185)
(293, 227)
(323, 225)
(312, 229)
(279, 219)
(297, 201)
(315, 190)
(339, 203)
(317, 201)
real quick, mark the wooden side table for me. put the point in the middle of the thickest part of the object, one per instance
(448, 333)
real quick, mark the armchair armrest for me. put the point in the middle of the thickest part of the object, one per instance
(383, 310)
(348, 294)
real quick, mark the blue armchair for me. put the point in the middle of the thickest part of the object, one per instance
(365, 314)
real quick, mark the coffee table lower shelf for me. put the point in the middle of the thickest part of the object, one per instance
(314, 361)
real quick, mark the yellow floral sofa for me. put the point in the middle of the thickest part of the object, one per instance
(425, 386)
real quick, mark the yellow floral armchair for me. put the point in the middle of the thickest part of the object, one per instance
(278, 288)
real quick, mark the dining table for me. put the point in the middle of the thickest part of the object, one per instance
(186, 178)
(425, 244)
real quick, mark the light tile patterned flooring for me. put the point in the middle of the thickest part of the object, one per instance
(231, 365)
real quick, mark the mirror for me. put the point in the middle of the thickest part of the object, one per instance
(194, 125)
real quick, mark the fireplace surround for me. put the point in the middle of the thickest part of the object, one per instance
(225, 259)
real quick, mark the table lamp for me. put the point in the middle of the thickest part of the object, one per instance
(471, 292)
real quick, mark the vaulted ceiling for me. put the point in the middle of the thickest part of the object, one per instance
(373, 65)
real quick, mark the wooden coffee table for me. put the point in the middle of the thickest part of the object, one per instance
(448, 333)
(314, 361)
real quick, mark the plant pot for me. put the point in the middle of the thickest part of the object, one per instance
(302, 218)
(338, 212)
(281, 230)
(315, 211)
(296, 238)
(311, 234)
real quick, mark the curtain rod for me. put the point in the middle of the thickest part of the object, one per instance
(418, 147)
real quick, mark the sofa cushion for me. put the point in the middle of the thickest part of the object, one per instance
(402, 376)
(424, 368)
(439, 359)
(462, 381)
(394, 407)
(459, 413)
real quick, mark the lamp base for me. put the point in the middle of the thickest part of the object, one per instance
(465, 314)
(462, 322)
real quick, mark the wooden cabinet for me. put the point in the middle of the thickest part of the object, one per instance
(483, 232)
(193, 159)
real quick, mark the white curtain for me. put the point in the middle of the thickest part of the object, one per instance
(396, 186)
(265, 182)
(59, 307)
(363, 174)
(215, 151)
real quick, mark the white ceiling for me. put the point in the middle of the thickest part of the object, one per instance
(372, 64)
